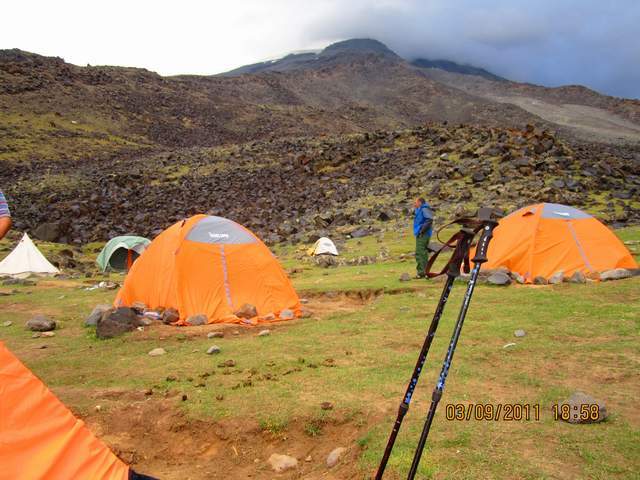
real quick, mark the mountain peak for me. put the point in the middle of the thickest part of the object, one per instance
(358, 45)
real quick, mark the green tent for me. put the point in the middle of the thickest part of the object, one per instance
(120, 252)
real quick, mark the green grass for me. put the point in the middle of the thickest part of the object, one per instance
(359, 355)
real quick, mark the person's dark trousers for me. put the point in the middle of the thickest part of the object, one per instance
(422, 253)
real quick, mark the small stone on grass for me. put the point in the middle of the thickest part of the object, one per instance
(156, 352)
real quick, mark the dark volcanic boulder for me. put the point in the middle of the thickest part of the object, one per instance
(96, 314)
(40, 323)
(116, 321)
(359, 233)
(247, 311)
(582, 408)
(499, 278)
(170, 315)
(199, 319)
(48, 232)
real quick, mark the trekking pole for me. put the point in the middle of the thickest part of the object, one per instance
(487, 225)
(464, 238)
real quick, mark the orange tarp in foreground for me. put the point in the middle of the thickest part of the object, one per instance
(212, 266)
(542, 239)
(40, 438)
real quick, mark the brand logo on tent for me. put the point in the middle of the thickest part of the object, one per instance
(217, 236)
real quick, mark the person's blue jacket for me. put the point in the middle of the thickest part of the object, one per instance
(421, 216)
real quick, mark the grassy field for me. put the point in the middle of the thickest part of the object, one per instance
(357, 352)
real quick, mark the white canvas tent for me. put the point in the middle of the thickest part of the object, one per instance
(323, 246)
(26, 258)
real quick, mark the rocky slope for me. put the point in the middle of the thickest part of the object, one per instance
(297, 189)
(335, 140)
(54, 110)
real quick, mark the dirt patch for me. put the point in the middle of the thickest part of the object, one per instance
(155, 437)
(319, 305)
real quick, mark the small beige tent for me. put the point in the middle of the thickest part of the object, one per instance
(323, 246)
(26, 258)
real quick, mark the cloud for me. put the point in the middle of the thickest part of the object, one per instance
(550, 42)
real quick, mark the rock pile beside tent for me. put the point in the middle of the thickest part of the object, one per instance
(504, 277)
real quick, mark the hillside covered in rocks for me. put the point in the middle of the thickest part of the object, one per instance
(337, 141)
(298, 189)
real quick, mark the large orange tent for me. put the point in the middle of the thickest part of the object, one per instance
(212, 266)
(40, 438)
(545, 238)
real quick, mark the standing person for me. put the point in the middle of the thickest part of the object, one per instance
(5, 216)
(422, 229)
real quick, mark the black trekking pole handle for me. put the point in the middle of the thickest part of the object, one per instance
(480, 257)
(464, 238)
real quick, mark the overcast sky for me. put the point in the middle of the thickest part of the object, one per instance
(551, 42)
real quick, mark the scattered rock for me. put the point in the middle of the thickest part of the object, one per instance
(49, 232)
(280, 463)
(138, 307)
(213, 349)
(578, 277)
(304, 301)
(156, 352)
(477, 177)
(539, 280)
(227, 363)
(96, 314)
(520, 333)
(615, 274)
(144, 322)
(405, 277)
(556, 278)
(499, 278)
(18, 281)
(115, 322)
(215, 335)
(334, 457)
(287, 314)
(199, 319)
(48, 334)
(170, 315)
(8, 323)
(517, 278)
(40, 323)
(247, 311)
(326, 406)
(264, 333)
(36, 335)
(359, 233)
(594, 412)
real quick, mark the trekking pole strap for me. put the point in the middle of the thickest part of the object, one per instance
(485, 221)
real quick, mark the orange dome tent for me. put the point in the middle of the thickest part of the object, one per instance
(212, 266)
(542, 239)
(40, 437)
